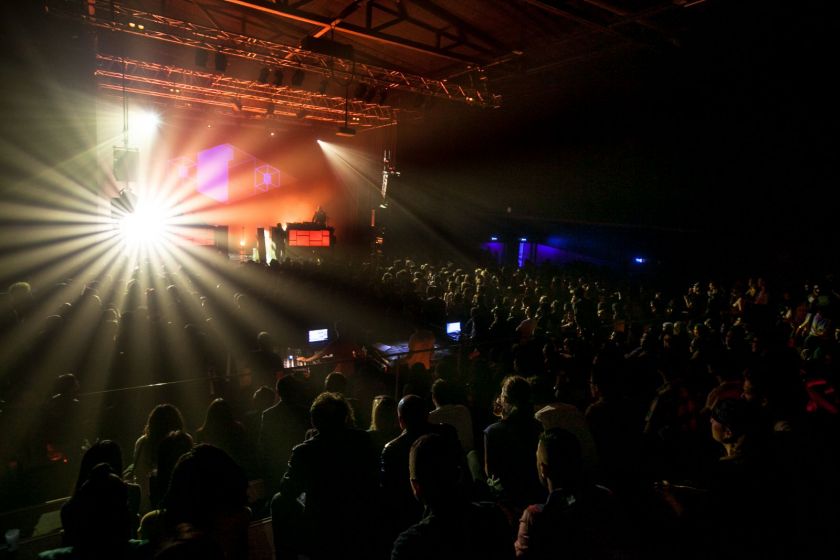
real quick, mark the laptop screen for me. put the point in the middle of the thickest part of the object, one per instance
(453, 329)
(318, 335)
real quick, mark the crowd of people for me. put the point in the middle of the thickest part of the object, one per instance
(580, 414)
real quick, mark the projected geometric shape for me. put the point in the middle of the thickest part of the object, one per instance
(266, 177)
(212, 172)
(182, 170)
(225, 173)
(182, 167)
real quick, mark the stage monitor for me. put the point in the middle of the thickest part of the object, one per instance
(318, 335)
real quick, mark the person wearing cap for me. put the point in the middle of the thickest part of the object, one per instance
(749, 503)
(733, 423)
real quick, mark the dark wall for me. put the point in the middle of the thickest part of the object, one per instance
(732, 134)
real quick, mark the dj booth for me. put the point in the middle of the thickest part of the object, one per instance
(308, 234)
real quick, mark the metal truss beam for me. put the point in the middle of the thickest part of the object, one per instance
(116, 17)
(251, 98)
(284, 10)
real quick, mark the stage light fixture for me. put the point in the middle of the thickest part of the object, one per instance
(297, 77)
(322, 89)
(369, 94)
(263, 77)
(237, 105)
(220, 61)
(277, 79)
(147, 120)
(123, 204)
(361, 90)
(142, 125)
(147, 225)
(346, 132)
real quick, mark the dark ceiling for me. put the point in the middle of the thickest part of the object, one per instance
(486, 53)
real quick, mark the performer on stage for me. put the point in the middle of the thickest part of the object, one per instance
(320, 217)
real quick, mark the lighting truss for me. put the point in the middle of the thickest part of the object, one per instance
(105, 14)
(191, 87)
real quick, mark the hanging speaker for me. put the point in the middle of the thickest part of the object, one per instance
(201, 58)
(126, 163)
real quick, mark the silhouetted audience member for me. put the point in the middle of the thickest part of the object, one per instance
(403, 509)
(615, 425)
(336, 382)
(579, 519)
(163, 418)
(510, 444)
(671, 424)
(384, 424)
(153, 525)
(222, 430)
(283, 426)
(416, 380)
(107, 452)
(170, 449)
(447, 411)
(206, 505)
(101, 521)
(748, 512)
(261, 400)
(325, 506)
(63, 424)
(453, 528)
(266, 364)
(559, 414)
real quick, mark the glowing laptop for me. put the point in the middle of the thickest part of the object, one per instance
(453, 330)
(318, 336)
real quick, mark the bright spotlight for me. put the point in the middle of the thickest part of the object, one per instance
(148, 225)
(143, 124)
